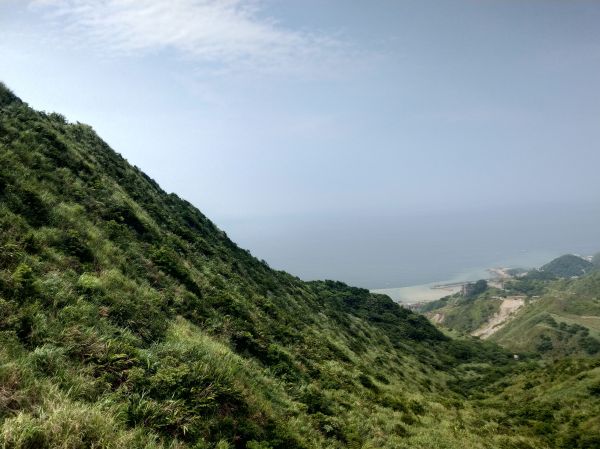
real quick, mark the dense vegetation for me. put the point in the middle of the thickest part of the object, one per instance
(561, 317)
(127, 319)
(464, 313)
(563, 320)
(568, 265)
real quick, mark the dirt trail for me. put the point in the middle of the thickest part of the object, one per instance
(508, 307)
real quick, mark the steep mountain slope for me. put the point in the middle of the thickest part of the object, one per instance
(127, 319)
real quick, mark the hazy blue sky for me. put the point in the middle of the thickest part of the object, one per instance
(331, 136)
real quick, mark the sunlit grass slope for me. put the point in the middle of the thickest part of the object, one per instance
(563, 320)
(559, 318)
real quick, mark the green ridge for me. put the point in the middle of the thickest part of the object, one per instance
(568, 265)
(128, 319)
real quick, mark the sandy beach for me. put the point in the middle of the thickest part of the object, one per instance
(419, 293)
(436, 290)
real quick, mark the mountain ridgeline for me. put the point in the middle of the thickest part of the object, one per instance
(128, 319)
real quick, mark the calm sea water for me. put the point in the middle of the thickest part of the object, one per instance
(395, 251)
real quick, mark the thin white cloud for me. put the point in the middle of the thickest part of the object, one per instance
(231, 34)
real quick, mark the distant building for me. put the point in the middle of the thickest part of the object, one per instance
(467, 289)
(474, 288)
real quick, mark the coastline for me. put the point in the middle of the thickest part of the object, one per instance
(495, 273)
(433, 291)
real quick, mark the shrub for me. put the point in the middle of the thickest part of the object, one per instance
(591, 345)
(24, 282)
(66, 425)
(73, 244)
(48, 359)
(316, 401)
(594, 389)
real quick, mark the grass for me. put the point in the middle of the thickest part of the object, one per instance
(465, 314)
(128, 319)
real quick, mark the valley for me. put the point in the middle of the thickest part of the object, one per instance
(128, 319)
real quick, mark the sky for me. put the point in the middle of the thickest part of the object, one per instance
(355, 140)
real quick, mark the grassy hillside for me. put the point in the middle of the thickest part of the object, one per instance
(127, 319)
(464, 314)
(568, 265)
(560, 317)
(564, 320)
(558, 402)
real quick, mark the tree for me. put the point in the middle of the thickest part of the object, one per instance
(475, 289)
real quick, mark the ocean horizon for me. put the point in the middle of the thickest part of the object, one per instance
(396, 251)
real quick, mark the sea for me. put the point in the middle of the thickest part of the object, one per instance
(405, 255)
